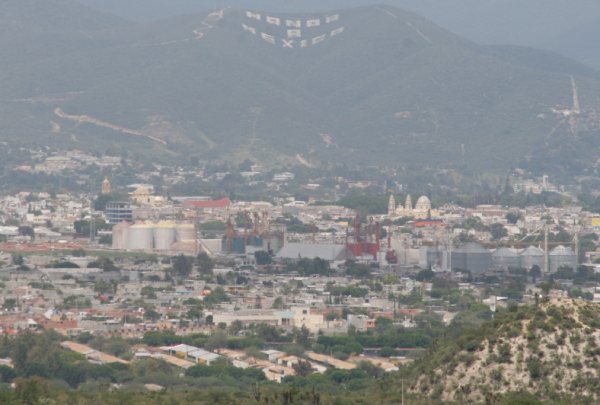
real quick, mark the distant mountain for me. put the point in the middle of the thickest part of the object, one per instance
(373, 85)
(559, 25)
(31, 29)
(580, 43)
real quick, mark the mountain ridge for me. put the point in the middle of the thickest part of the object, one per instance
(381, 85)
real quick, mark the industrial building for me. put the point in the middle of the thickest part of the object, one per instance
(118, 211)
(329, 252)
(364, 240)
(257, 235)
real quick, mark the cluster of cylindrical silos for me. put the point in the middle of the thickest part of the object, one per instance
(560, 256)
(476, 258)
(152, 236)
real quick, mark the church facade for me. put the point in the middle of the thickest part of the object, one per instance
(421, 210)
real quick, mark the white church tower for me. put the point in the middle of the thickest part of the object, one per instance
(392, 206)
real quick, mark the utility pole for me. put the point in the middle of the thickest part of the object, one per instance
(576, 239)
(449, 250)
(546, 269)
(92, 223)
(402, 391)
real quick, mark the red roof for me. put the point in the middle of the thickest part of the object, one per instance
(222, 203)
(423, 224)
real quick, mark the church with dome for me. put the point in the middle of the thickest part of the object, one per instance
(421, 210)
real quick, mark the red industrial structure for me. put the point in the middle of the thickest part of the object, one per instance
(364, 239)
(257, 233)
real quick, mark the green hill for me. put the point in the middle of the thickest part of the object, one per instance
(390, 89)
(550, 350)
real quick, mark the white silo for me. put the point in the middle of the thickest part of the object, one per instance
(562, 256)
(532, 256)
(164, 236)
(505, 259)
(186, 232)
(140, 237)
(119, 235)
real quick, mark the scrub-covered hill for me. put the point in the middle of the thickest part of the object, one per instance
(549, 350)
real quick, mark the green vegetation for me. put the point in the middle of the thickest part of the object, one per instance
(103, 263)
(213, 226)
(309, 266)
(516, 337)
(366, 204)
(205, 263)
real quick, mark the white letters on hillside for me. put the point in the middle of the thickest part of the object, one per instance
(292, 36)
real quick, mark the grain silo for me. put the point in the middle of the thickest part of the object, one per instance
(164, 236)
(505, 259)
(472, 257)
(430, 257)
(186, 232)
(140, 237)
(562, 256)
(119, 235)
(532, 256)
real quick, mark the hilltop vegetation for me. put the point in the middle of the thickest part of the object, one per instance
(550, 350)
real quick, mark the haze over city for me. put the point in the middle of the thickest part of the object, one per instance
(299, 202)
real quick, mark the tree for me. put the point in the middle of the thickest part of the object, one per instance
(246, 165)
(535, 272)
(425, 275)
(151, 315)
(27, 231)
(103, 287)
(262, 258)
(78, 253)
(302, 368)
(103, 263)
(546, 287)
(82, 226)
(359, 270)
(387, 352)
(17, 259)
(383, 324)
(512, 218)
(278, 303)
(31, 390)
(205, 263)
(9, 304)
(105, 240)
(103, 199)
(236, 327)
(302, 336)
(217, 340)
(148, 292)
(498, 231)
(182, 266)
(194, 314)
(216, 296)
